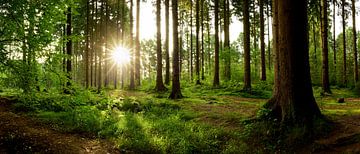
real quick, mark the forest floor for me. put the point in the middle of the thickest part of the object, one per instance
(23, 134)
(19, 132)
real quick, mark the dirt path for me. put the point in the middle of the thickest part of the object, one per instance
(20, 134)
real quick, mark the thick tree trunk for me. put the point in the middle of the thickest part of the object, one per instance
(247, 78)
(167, 57)
(344, 44)
(356, 73)
(159, 80)
(202, 41)
(324, 46)
(216, 82)
(293, 102)
(176, 91)
(262, 41)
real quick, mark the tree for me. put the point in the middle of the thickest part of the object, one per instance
(131, 46)
(247, 78)
(175, 91)
(334, 37)
(159, 80)
(344, 42)
(197, 54)
(262, 41)
(227, 39)
(356, 73)
(216, 82)
(68, 48)
(167, 57)
(293, 102)
(324, 46)
(137, 44)
(87, 46)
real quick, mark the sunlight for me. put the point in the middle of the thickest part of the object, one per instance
(121, 55)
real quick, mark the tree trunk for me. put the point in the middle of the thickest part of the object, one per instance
(202, 41)
(87, 41)
(344, 44)
(262, 41)
(191, 42)
(227, 40)
(68, 49)
(176, 91)
(293, 103)
(137, 45)
(100, 46)
(247, 78)
(106, 59)
(324, 44)
(356, 73)
(197, 55)
(167, 57)
(159, 80)
(216, 82)
(131, 44)
(268, 30)
(334, 37)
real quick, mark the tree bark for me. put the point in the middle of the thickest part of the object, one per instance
(344, 44)
(197, 55)
(131, 44)
(324, 44)
(334, 37)
(137, 45)
(159, 80)
(167, 57)
(227, 72)
(356, 73)
(262, 41)
(247, 78)
(216, 82)
(176, 91)
(293, 103)
(68, 48)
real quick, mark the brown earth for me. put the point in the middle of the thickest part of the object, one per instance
(22, 134)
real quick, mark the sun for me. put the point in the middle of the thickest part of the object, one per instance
(121, 55)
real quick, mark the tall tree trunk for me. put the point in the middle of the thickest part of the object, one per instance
(294, 103)
(227, 40)
(106, 59)
(191, 42)
(262, 41)
(344, 44)
(216, 82)
(137, 45)
(68, 48)
(247, 78)
(131, 44)
(159, 80)
(356, 73)
(202, 41)
(324, 44)
(100, 46)
(334, 37)
(268, 30)
(167, 57)
(87, 41)
(176, 91)
(197, 55)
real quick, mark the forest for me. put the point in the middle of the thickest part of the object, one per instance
(179, 76)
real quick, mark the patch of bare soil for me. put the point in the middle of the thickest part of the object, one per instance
(21, 134)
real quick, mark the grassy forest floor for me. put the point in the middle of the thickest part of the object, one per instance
(205, 121)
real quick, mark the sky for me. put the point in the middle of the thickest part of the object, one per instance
(148, 23)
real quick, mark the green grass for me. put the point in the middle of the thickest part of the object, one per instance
(206, 121)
